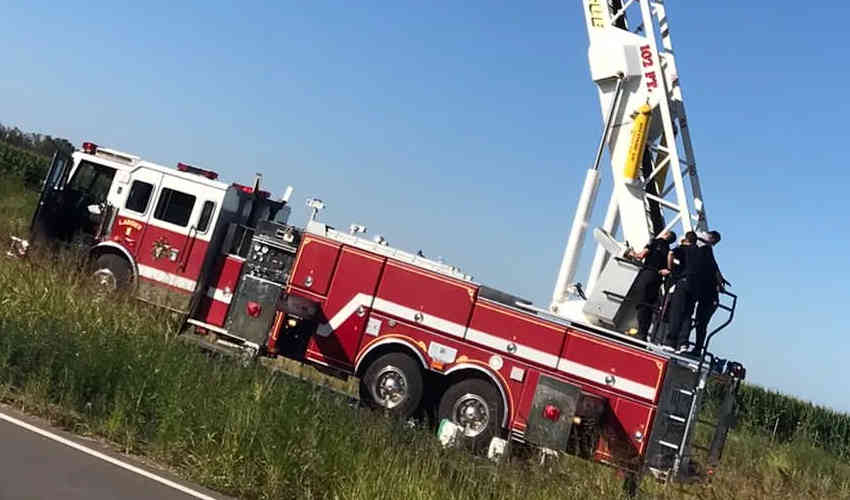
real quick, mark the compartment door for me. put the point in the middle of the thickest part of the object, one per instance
(345, 312)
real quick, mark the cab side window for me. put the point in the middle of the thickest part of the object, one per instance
(206, 215)
(174, 207)
(140, 195)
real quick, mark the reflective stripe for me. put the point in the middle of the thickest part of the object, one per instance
(174, 280)
(486, 339)
(600, 377)
(361, 299)
(522, 351)
(429, 320)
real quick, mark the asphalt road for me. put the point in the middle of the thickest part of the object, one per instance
(33, 466)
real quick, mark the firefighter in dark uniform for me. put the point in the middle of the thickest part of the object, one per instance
(648, 281)
(684, 262)
(710, 282)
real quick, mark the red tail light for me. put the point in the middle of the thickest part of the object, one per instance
(551, 412)
(89, 148)
(253, 309)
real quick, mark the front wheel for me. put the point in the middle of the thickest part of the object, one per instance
(111, 273)
(476, 407)
(393, 382)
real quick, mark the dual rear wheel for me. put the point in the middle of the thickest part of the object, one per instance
(474, 405)
(394, 382)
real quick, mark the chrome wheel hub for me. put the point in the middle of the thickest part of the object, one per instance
(105, 280)
(471, 413)
(390, 387)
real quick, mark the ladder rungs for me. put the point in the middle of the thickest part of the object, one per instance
(686, 392)
(676, 418)
(669, 445)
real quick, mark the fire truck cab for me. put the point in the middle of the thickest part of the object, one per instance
(148, 228)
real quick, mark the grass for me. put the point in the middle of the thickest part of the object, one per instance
(114, 369)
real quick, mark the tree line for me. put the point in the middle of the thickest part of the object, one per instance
(40, 144)
(26, 155)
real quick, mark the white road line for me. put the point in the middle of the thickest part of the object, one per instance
(104, 457)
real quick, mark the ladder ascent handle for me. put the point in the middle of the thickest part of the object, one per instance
(609, 120)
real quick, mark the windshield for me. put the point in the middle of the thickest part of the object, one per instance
(93, 180)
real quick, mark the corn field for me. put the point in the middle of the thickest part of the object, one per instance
(784, 418)
(21, 164)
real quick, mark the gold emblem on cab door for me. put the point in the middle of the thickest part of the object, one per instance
(160, 246)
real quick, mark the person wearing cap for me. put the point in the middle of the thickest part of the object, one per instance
(648, 281)
(709, 283)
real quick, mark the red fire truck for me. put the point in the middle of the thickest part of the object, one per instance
(569, 378)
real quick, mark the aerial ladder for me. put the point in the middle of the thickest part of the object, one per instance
(655, 186)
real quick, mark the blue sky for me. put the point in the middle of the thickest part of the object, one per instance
(465, 131)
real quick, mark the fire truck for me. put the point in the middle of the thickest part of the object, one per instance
(413, 330)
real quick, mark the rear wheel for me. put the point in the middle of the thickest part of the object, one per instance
(474, 405)
(111, 273)
(393, 382)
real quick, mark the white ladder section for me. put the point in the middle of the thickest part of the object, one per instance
(633, 64)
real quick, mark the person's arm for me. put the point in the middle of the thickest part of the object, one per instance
(721, 281)
(639, 255)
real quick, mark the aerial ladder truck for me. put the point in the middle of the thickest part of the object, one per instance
(409, 330)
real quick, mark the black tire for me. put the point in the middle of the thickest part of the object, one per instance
(480, 397)
(110, 267)
(393, 382)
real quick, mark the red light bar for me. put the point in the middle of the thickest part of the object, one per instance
(209, 174)
(89, 148)
(250, 190)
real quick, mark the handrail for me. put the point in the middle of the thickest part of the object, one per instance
(188, 244)
(730, 309)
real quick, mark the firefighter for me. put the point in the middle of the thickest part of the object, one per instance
(710, 281)
(684, 263)
(649, 279)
